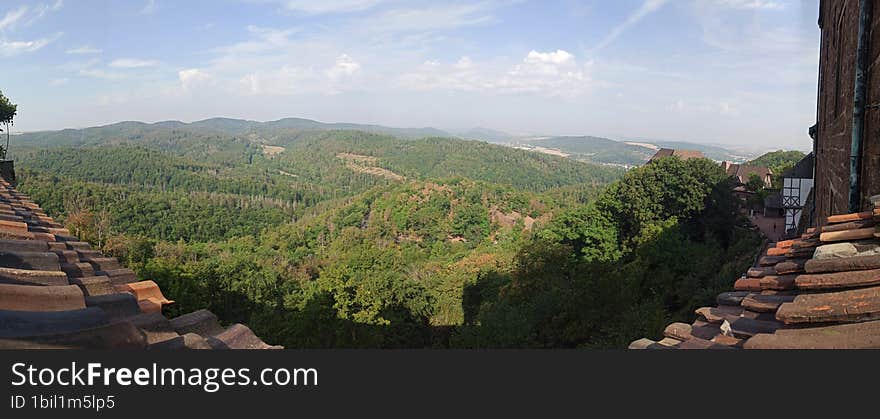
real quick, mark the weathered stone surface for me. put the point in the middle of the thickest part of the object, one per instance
(761, 272)
(680, 331)
(101, 263)
(777, 251)
(845, 218)
(771, 260)
(805, 243)
(39, 261)
(836, 250)
(202, 322)
(113, 336)
(697, 344)
(805, 253)
(67, 256)
(843, 306)
(857, 263)
(149, 296)
(731, 298)
(16, 226)
(30, 277)
(155, 326)
(190, 341)
(744, 328)
(719, 314)
(846, 336)
(643, 343)
(854, 225)
(78, 245)
(78, 269)
(791, 266)
(19, 324)
(35, 298)
(705, 330)
(94, 285)
(120, 276)
(23, 246)
(239, 336)
(117, 306)
(766, 303)
(778, 283)
(748, 284)
(836, 280)
(848, 235)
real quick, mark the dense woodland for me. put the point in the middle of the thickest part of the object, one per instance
(338, 238)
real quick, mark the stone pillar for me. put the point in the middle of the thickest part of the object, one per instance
(7, 171)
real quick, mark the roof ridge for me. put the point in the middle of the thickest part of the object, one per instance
(818, 291)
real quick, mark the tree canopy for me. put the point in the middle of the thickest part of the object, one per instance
(474, 246)
(8, 110)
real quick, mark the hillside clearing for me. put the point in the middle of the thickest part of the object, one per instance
(365, 164)
(271, 150)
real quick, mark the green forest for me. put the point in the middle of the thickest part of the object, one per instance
(338, 238)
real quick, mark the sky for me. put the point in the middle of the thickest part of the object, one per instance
(714, 71)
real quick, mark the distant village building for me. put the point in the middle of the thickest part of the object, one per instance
(743, 173)
(682, 154)
(797, 183)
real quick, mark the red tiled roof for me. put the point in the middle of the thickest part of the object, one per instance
(742, 172)
(56, 292)
(821, 291)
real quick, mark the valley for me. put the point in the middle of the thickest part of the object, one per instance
(320, 236)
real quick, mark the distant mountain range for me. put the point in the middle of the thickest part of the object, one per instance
(621, 153)
(585, 148)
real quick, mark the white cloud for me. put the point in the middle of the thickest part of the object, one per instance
(555, 73)
(647, 8)
(11, 48)
(12, 17)
(42, 9)
(723, 108)
(428, 19)
(464, 63)
(750, 4)
(76, 66)
(191, 76)
(133, 63)
(345, 67)
(24, 15)
(101, 74)
(558, 57)
(83, 50)
(59, 81)
(287, 80)
(149, 8)
(329, 6)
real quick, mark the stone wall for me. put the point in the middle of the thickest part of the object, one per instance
(839, 40)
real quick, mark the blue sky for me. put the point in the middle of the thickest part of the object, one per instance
(722, 71)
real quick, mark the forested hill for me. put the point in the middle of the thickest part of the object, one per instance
(779, 161)
(265, 131)
(340, 238)
(220, 174)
